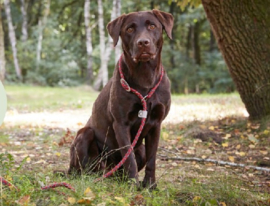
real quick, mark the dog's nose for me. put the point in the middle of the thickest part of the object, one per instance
(143, 42)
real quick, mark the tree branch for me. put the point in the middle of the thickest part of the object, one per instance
(217, 162)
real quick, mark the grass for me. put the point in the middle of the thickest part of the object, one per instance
(30, 152)
(31, 98)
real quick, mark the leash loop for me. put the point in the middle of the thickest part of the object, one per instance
(124, 84)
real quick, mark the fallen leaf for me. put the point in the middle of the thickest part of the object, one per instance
(226, 144)
(264, 152)
(211, 128)
(84, 201)
(231, 158)
(196, 199)
(89, 194)
(102, 204)
(251, 146)
(71, 200)
(227, 136)
(138, 200)
(266, 132)
(58, 154)
(165, 135)
(24, 200)
(222, 204)
(174, 164)
(252, 138)
(240, 153)
(238, 146)
(122, 200)
(79, 123)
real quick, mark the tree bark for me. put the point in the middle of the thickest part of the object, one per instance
(24, 24)
(2, 50)
(89, 47)
(117, 49)
(12, 39)
(105, 50)
(241, 29)
(41, 25)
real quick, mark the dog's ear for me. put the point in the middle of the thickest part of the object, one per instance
(166, 19)
(114, 28)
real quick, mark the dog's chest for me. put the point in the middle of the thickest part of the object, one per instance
(155, 113)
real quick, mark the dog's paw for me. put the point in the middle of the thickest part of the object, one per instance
(148, 185)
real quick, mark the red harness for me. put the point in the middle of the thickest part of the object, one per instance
(142, 114)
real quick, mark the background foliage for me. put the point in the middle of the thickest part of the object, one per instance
(191, 59)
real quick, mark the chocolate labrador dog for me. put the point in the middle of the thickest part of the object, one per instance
(108, 134)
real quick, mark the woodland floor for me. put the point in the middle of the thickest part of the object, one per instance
(41, 122)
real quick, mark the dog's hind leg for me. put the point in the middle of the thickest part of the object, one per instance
(84, 152)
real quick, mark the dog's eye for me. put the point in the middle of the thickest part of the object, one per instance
(130, 30)
(152, 26)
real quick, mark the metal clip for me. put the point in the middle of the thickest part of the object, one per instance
(142, 114)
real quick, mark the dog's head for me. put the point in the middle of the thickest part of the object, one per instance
(141, 33)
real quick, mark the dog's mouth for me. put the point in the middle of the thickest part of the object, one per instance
(144, 57)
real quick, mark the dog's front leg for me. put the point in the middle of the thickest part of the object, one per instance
(122, 134)
(151, 145)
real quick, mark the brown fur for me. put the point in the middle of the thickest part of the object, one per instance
(114, 121)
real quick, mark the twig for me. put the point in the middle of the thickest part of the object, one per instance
(217, 162)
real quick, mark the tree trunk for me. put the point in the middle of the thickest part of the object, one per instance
(12, 39)
(41, 25)
(24, 24)
(117, 49)
(196, 29)
(89, 47)
(241, 29)
(2, 49)
(105, 52)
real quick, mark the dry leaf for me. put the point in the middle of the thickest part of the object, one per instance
(241, 153)
(174, 164)
(238, 146)
(102, 204)
(58, 154)
(231, 158)
(266, 132)
(122, 200)
(226, 144)
(227, 136)
(252, 138)
(165, 135)
(71, 200)
(222, 204)
(196, 199)
(24, 200)
(89, 194)
(211, 128)
(84, 201)
(264, 152)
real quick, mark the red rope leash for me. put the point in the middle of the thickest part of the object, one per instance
(142, 114)
(7, 183)
(61, 184)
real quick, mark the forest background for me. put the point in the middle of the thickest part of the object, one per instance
(65, 43)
